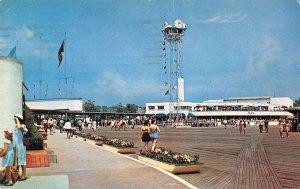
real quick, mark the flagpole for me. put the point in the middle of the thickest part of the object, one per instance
(65, 64)
(41, 69)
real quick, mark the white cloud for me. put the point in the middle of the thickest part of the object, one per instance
(298, 2)
(24, 33)
(225, 18)
(270, 49)
(112, 83)
(29, 43)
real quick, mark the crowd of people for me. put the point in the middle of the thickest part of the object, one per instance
(69, 125)
(14, 153)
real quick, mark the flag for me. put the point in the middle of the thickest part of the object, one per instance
(61, 53)
(13, 53)
(167, 92)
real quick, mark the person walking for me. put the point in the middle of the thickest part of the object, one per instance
(145, 134)
(90, 124)
(280, 124)
(132, 123)
(68, 128)
(61, 125)
(19, 131)
(266, 125)
(54, 125)
(80, 122)
(225, 123)
(241, 126)
(50, 123)
(45, 124)
(287, 128)
(261, 125)
(244, 123)
(154, 130)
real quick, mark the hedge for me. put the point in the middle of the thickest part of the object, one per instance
(33, 136)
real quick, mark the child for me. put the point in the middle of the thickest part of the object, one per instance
(8, 157)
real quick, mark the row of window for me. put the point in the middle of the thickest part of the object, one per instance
(176, 107)
(217, 108)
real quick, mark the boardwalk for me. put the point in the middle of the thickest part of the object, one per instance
(231, 160)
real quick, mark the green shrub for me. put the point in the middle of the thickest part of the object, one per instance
(33, 136)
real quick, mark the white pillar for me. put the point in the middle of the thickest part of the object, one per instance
(11, 83)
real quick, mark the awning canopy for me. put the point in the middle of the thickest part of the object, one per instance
(176, 115)
(190, 115)
(160, 116)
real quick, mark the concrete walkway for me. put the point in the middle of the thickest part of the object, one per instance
(89, 166)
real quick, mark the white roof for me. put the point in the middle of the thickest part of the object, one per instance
(72, 104)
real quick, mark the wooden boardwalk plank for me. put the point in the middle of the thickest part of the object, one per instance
(255, 160)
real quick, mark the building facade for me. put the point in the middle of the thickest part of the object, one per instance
(264, 106)
(69, 104)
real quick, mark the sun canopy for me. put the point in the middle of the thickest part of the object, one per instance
(160, 116)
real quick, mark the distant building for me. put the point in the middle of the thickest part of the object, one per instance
(264, 106)
(69, 104)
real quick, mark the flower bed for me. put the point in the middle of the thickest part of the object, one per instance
(171, 161)
(120, 146)
(91, 136)
(118, 143)
(115, 145)
(99, 140)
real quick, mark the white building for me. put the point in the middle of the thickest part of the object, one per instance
(70, 104)
(265, 106)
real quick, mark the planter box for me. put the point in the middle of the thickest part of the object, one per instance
(120, 150)
(99, 143)
(173, 168)
(37, 158)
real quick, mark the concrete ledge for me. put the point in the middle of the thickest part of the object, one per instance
(52, 158)
(42, 182)
(173, 168)
(120, 150)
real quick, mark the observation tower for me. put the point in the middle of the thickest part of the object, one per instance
(173, 35)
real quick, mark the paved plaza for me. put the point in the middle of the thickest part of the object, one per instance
(90, 166)
(231, 160)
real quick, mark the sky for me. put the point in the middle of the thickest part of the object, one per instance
(114, 48)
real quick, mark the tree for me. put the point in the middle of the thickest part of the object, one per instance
(102, 108)
(120, 107)
(33, 137)
(297, 103)
(131, 108)
(89, 106)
